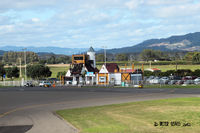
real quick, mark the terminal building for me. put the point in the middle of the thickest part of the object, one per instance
(83, 71)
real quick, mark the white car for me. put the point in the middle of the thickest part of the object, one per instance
(197, 79)
(155, 80)
(44, 84)
(164, 80)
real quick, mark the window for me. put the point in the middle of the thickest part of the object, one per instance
(78, 58)
(102, 79)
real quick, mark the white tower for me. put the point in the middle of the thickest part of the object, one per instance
(91, 54)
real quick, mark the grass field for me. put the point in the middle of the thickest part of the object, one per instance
(55, 70)
(181, 114)
(164, 68)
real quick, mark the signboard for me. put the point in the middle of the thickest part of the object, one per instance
(102, 79)
(136, 78)
(90, 74)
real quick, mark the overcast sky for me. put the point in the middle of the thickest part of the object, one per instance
(84, 23)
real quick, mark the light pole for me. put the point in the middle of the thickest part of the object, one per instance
(105, 54)
(105, 62)
(20, 63)
(25, 77)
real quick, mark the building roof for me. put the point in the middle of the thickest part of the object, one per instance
(152, 69)
(128, 70)
(78, 68)
(111, 67)
(90, 68)
(91, 49)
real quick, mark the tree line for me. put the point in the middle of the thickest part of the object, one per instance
(36, 71)
(14, 58)
(152, 55)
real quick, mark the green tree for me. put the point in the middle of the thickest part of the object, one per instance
(149, 54)
(14, 57)
(12, 72)
(38, 71)
(100, 58)
(2, 71)
(196, 58)
(51, 60)
(42, 61)
(196, 73)
(189, 56)
(121, 57)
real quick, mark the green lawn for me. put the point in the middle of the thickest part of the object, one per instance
(164, 68)
(55, 70)
(138, 117)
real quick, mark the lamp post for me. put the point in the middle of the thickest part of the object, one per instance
(25, 77)
(105, 62)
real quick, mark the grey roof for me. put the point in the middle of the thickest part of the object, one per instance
(91, 49)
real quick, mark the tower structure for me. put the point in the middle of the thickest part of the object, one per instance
(91, 55)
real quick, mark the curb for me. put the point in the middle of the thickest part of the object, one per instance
(68, 124)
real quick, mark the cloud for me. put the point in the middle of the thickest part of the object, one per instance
(178, 10)
(69, 23)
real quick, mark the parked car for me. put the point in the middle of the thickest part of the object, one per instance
(189, 78)
(155, 80)
(44, 84)
(180, 82)
(175, 78)
(197, 79)
(164, 80)
(172, 82)
(28, 84)
(187, 82)
(197, 82)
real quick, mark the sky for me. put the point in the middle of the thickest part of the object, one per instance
(97, 23)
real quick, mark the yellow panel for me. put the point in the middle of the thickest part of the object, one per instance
(126, 77)
(103, 75)
(78, 61)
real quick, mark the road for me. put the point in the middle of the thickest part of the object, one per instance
(32, 110)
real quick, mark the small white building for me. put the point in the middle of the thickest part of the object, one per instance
(109, 74)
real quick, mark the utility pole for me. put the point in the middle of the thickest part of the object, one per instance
(25, 63)
(105, 63)
(20, 67)
(105, 54)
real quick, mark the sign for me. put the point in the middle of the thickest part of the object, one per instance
(4, 76)
(90, 73)
(102, 79)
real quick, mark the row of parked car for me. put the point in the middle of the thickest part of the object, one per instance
(42, 83)
(172, 80)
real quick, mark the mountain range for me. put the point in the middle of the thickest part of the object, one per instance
(188, 42)
(55, 50)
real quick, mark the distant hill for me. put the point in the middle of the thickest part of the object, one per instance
(2, 52)
(54, 50)
(188, 42)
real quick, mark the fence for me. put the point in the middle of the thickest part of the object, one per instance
(11, 83)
